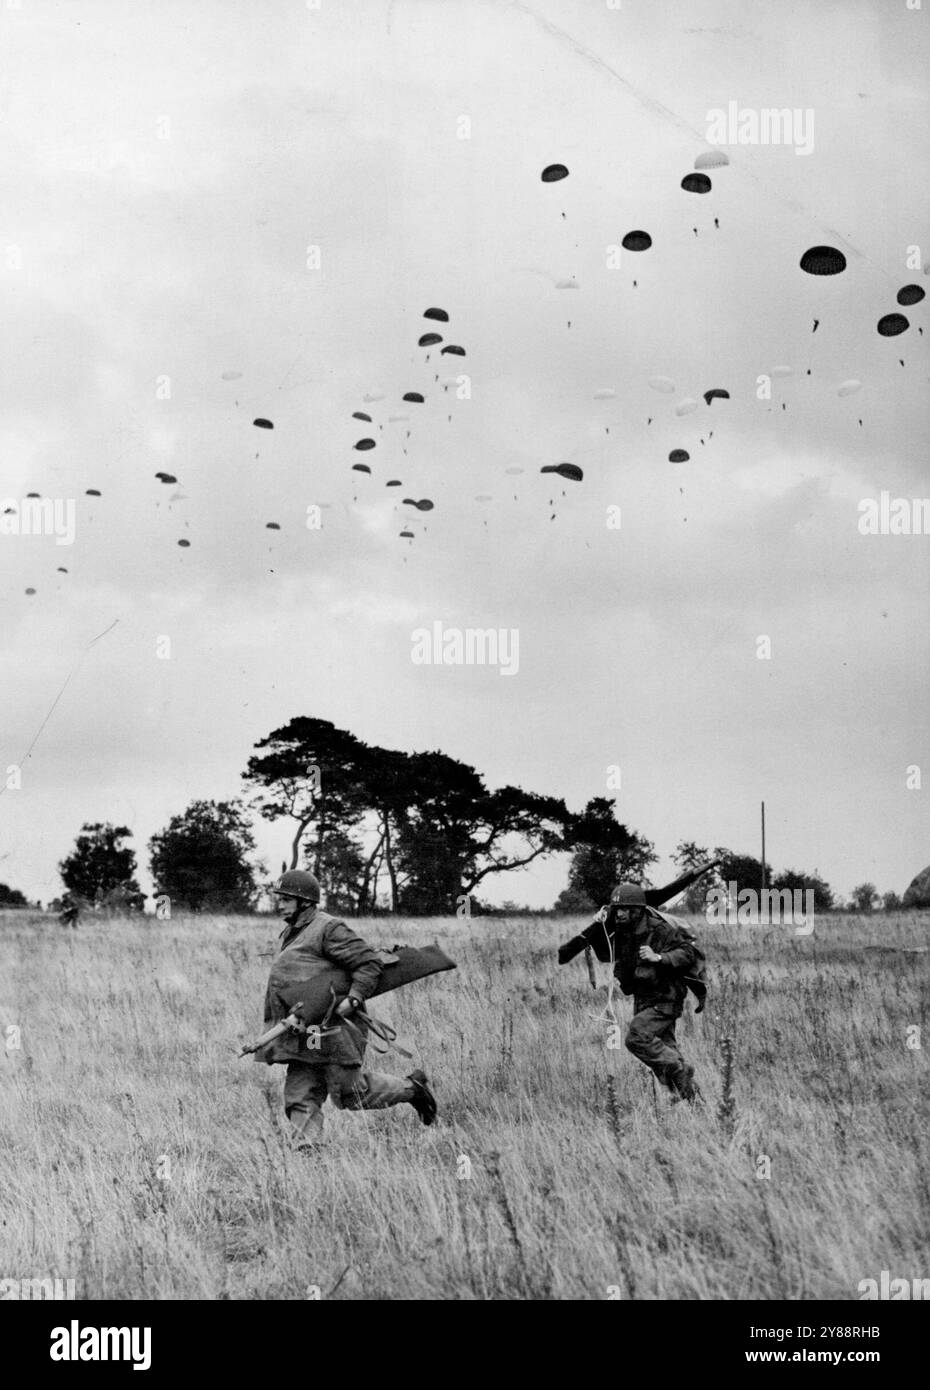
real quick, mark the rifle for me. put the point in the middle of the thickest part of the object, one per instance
(292, 1024)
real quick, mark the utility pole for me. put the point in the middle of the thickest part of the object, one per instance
(763, 854)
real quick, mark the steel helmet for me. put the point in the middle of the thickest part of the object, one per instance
(298, 883)
(628, 895)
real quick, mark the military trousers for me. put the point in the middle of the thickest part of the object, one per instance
(307, 1085)
(651, 1038)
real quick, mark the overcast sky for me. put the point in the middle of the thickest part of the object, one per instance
(167, 166)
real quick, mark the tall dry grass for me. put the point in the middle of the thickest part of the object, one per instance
(584, 1182)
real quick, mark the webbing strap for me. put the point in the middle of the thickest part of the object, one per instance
(376, 1028)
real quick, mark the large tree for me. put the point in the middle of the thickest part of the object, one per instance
(201, 858)
(313, 774)
(423, 823)
(453, 833)
(604, 852)
(801, 880)
(740, 869)
(11, 897)
(100, 870)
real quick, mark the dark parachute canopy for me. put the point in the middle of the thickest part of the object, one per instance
(429, 340)
(679, 456)
(414, 396)
(30, 591)
(364, 444)
(394, 482)
(407, 535)
(272, 526)
(360, 415)
(696, 183)
(185, 544)
(439, 315)
(553, 173)
(636, 241)
(91, 492)
(360, 468)
(718, 393)
(263, 424)
(893, 324)
(564, 470)
(424, 505)
(454, 349)
(823, 260)
(910, 294)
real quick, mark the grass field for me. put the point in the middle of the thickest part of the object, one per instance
(139, 1157)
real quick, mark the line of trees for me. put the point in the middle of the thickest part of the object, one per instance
(414, 833)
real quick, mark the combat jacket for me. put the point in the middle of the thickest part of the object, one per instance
(310, 947)
(655, 982)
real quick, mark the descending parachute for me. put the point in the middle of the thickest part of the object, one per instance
(564, 470)
(849, 388)
(636, 241)
(696, 183)
(893, 324)
(263, 424)
(394, 482)
(439, 314)
(184, 543)
(679, 456)
(451, 347)
(553, 173)
(30, 591)
(91, 492)
(360, 468)
(360, 415)
(364, 444)
(272, 526)
(910, 294)
(429, 340)
(406, 535)
(685, 406)
(424, 504)
(823, 260)
(414, 396)
(62, 570)
(717, 394)
(33, 494)
(663, 384)
(712, 159)
(168, 478)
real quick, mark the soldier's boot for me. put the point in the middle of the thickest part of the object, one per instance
(422, 1100)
